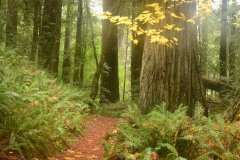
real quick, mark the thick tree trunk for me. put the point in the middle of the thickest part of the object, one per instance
(50, 36)
(223, 41)
(36, 29)
(137, 52)
(109, 74)
(67, 42)
(232, 55)
(172, 75)
(78, 48)
(204, 47)
(11, 26)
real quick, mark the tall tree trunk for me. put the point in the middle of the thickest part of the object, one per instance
(78, 48)
(28, 9)
(109, 76)
(223, 41)
(50, 36)
(94, 90)
(84, 50)
(137, 52)
(125, 66)
(2, 22)
(204, 47)
(172, 75)
(232, 55)
(11, 26)
(67, 42)
(36, 29)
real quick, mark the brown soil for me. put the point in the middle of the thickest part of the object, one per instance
(90, 147)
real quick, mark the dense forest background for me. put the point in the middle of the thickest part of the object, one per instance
(111, 54)
(71, 44)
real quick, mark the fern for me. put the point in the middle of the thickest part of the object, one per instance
(177, 136)
(30, 119)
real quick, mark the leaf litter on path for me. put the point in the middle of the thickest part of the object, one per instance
(89, 147)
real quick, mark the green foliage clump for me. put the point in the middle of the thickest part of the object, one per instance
(165, 135)
(38, 117)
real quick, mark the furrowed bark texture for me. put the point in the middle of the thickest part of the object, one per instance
(171, 74)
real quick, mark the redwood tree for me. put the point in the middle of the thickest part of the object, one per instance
(11, 25)
(223, 41)
(37, 7)
(232, 48)
(137, 51)
(2, 21)
(67, 41)
(109, 75)
(50, 35)
(78, 48)
(171, 74)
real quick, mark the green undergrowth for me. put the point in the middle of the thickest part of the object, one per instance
(38, 116)
(171, 136)
(113, 109)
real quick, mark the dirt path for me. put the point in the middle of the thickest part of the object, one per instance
(89, 147)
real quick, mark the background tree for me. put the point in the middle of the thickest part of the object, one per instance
(50, 35)
(37, 7)
(78, 47)
(11, 24)
(2, 21)
(67, 41)
(109, 74)
(223, 41)
(137, 51)
(232, 55)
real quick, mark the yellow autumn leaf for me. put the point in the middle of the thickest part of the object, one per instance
(145, 12)
(135, 41)
(154, 39)
(191, 21)
(183, 17)
(175, 16)
(169, 26)
(152, 5)
(133, 27)
(178, 29)
(130, 37)
(70, 151)
(140, 32)
(175, 39)
(157, 8)
(108, 13)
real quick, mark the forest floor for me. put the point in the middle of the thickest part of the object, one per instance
(89, 146)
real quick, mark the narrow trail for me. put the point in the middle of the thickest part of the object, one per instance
(89, 147)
